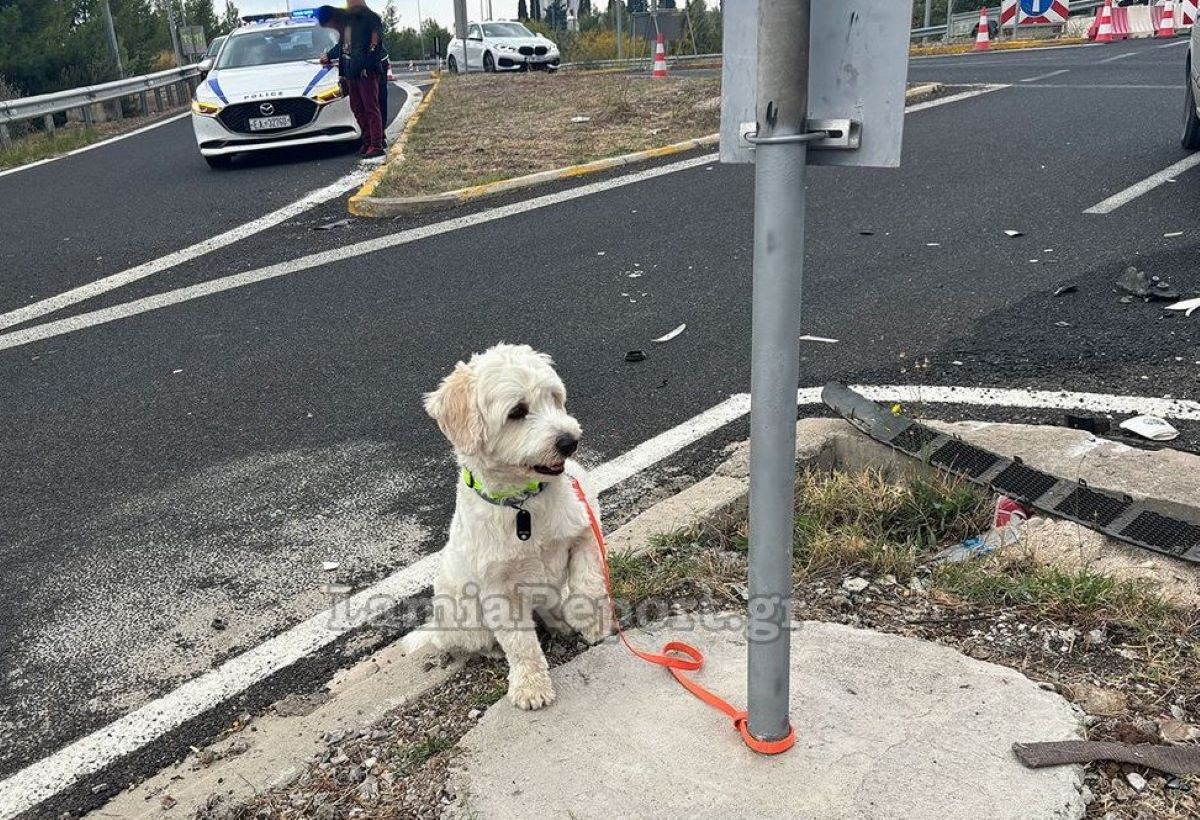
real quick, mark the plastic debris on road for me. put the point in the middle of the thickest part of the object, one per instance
(1151, 427)
(579, 119)
(1008, 522)
(666, 337)
(635, 356)
(1012, 234)
(330, 566)
(1188, 306)
(822, 339)
(329, 226)
(1096, 425)
(1172, 234)
(1065, 289)
(1138, 283)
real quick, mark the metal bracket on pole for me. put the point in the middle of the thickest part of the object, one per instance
(821, 135)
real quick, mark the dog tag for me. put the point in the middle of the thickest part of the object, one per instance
(524, 525)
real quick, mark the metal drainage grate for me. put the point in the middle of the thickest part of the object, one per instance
(1087, 505)
(914, 438)
(1163, 533)
(1023, 483)
(963, 458)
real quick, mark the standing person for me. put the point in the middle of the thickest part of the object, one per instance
(384, 62)
(360, 37)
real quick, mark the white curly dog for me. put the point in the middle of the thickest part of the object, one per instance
(520, 541)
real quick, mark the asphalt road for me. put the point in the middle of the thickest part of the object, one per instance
(200, 461)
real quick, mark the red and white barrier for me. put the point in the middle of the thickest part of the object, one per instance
(1104, 24)
(1186, 14)
(981, 32)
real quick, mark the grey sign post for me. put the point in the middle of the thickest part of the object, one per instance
(805, 82)
(460, 31)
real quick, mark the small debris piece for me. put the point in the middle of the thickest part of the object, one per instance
(635, 356)
(219, 624)
(1188, 306)
(1136, 780)
(100, 788)
(329, 226)
(1065, 289)
(1062, 324)
(669, 336)
(933, 244)
(1096, 700)
(1172, 234)
(579, 119)
(475, 714)
(330, 566)
(818, 339)
(1137, 283)
(168, 802)
(854, 585)
(1013, 234)
(1178, 784)
(1151, 427)
(1176, 731)
(177, 371)
(866, 233)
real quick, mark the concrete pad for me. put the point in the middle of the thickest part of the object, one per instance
(888, 727)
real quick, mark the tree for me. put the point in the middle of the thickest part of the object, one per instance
(436, 37)
(201, 13)
(556, 14)
(391, 17)
(232, 17)
(522, 10)
(637, 6)
(535, 9)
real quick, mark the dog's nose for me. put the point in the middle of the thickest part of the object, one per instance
(566, 444)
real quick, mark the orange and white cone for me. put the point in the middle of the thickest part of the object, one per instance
(1166, 22)
(981, 33)
(660, 58)
(1104, 34)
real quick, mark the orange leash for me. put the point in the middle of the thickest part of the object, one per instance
(679, 657)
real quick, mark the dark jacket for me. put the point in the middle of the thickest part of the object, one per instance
(361, 43)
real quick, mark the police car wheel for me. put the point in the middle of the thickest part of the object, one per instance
(1191, 123)
(452, 64)
(489, 62)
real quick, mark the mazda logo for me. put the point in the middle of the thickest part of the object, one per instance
(266, 109)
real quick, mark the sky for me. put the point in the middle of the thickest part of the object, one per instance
(440, 10)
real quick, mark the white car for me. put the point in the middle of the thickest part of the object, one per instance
(497, 45)
(214, 48)
(267, 89)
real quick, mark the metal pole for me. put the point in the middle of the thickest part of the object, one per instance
(421, 32)
(949, 18)
(928, 8)
(618, 6)
(174, 32)
(779, 170)
(112, 39)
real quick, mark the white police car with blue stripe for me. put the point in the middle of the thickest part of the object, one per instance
(268, 90)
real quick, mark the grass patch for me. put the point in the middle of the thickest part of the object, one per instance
(485, 128)
(413, 756)
(43, 146)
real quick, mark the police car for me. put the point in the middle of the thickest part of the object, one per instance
(267, 89)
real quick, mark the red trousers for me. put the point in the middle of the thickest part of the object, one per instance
(364, 102)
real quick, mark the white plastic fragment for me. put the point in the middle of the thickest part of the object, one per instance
(580, 118)
(1011, 233)
(1188, 306)
(330, 566)
(1151, 427)
(669, 336)
(818, 339)
(1172, 234)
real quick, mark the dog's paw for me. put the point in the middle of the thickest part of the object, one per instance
(531, 691)
(598, 628)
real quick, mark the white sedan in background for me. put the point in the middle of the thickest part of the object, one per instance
(267, 90)
(497, 45)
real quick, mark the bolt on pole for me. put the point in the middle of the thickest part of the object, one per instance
(779, 171)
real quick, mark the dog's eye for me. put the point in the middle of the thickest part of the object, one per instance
(517, 413)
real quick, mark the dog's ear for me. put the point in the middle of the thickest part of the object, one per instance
(453, 406)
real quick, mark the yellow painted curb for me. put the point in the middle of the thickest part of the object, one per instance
(396, 206)
(994, 45)
(395, 153)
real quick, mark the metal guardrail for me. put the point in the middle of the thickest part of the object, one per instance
(177, 84)
(638, 61)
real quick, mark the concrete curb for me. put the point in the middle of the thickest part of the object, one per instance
(419, 100)
(997, 45)
(365, 205)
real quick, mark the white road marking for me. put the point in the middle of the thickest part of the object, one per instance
(307, 202)
(1131, 193)
(1114, 58)
(95, 145)
(1183, 42)
(965, 95)
(1046, 76)
(1107, 86)
(333, 258)
(49, 776)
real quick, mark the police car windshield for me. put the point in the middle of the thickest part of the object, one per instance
(505, 30)
(276, 45)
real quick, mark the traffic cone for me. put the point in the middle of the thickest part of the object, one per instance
(1166, 22)
(660, 58)
(1104, 34)
(981, 33)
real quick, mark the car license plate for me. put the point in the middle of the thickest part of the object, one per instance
(269, 123)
